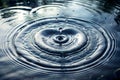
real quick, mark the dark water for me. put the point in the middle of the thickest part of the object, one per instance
(60, 40)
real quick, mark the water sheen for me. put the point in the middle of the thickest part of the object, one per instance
(60, 40)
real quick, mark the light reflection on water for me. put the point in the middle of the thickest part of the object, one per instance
(59, 40)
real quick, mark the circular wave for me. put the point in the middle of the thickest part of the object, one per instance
(69, 40)
(59, 44)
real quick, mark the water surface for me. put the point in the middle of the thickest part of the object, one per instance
(60, 40)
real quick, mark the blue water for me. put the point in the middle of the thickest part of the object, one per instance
(60, 40)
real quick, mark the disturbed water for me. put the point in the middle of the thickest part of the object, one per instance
(60, 40)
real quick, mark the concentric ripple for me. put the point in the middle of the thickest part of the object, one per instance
(60, 44)
(60, 41)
